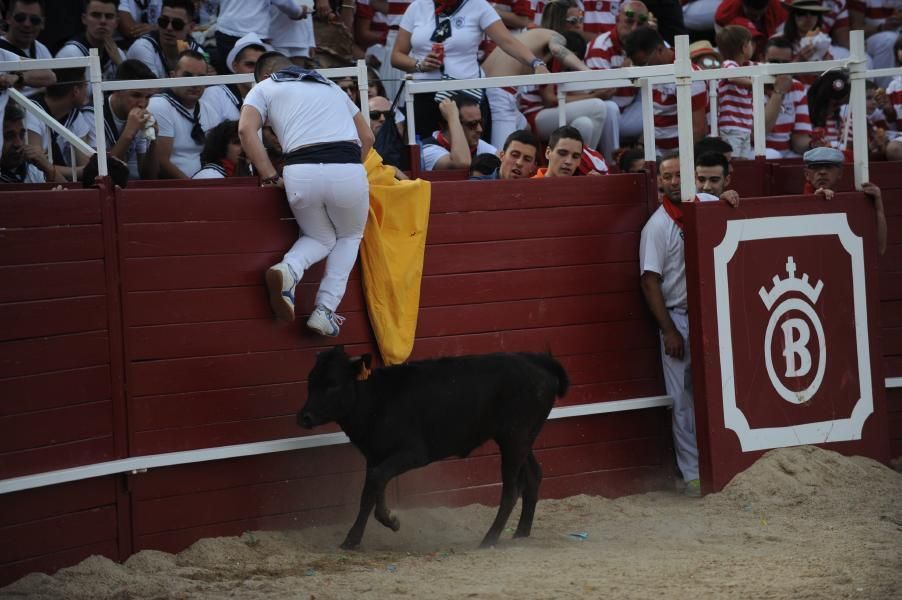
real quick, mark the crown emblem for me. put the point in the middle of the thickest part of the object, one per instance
(790, 284)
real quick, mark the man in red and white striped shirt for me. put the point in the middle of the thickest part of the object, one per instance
(786, 119)
(600, 16)
(646, 47)
(606, 52)
(880, 20)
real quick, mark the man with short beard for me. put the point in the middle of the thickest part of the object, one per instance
(183, 120)
(823, 171)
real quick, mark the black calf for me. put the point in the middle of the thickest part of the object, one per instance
(408, 416)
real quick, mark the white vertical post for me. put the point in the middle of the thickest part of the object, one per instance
(363, 90)
(758, 123)
(648, 119)
(96, 77)
(561, 107)
(712, 107)
(682, 68)
(857, 104)
(72, 161)
(411, 122)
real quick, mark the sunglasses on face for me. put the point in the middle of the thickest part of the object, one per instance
(573, 20)
(99, 15)
(709, 62)
(35, 20)
(805, 13)
(177, 24)
(472, 124)
(631, 15)
(378, 115)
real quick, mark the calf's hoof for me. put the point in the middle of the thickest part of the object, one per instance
(392, 522)
(350, 545)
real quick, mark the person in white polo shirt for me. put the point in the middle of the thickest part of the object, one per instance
(159, 49)
(326, 139)
(662, 267)
(242, 59)
(183, 120)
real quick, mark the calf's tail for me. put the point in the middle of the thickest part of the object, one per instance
(556, 369)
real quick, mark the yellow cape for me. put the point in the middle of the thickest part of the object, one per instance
(391, 255)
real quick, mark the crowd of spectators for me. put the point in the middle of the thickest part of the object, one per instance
(164, 133)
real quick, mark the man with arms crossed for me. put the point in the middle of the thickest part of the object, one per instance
(326, 139)
(663, 280)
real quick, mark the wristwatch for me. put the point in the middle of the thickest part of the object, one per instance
(536, 63)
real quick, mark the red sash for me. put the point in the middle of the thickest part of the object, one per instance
(673, 210)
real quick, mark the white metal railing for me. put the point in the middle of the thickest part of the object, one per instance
(92, 63)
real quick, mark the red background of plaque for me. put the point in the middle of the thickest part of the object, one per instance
(754, 264)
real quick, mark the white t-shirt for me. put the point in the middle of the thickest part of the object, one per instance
(240, 17)
(305, 112)
(5, 55)
(76, 49)
(185, 151)
(468, 24)
(32, 175)
(289, 36)
(79, 122)
(661, 251)
(209, 172)
(139, 145)
(40, 50)
(153, 10)
(432, 153)
(142, 49)
(220, 100)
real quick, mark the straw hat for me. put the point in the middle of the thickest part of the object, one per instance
(809, 5)
(701, 48)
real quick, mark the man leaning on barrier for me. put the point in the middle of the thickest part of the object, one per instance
(823, 171)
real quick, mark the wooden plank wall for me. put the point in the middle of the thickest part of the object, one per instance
(59, 376)
(527, 266)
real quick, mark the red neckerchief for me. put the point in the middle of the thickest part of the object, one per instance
(808, 189)
(446, 143)
(445, 6)
(675, 212)
(228, 166)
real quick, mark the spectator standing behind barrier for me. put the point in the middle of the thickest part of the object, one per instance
(546, 44)
(293, 37)
(458, 26)
(606, 52)
(786, 121)
(663, 280)
(222, 155)
(226, 100)
(698, 15)
(160, 49)
(823, 171)
(237, 18)
(100, 19)
(126, 120)
(734, 96)
(138, 17)
(644, 47)
(458, 139)
(63, 101)
(24, 23)
(183, 120)
(21, 162)
(563, 153)
(881, 21)
(804, 29)
(324, 179)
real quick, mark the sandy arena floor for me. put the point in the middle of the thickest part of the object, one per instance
(801, 523)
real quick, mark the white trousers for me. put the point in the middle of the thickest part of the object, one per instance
(678, 382)
(631, 119)
(698, 15)
(740, 140)
(587, 116)
(330, 202)
(506, 117)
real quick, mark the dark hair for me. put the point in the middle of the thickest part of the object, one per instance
(374, 79)
(115, 3)
(461, 100)
(730, 41)
(133, 69)
(118, 171)
(565, 132)
(66, 81)
(191, 54)
(555, 13)
(778, 42)
(644, 39)
(896, 47)
(575, 43)
(484, 163)
(759, 4)
(672, 155)
(791, 30)
(259, 47)
(12, 3)
(13, 112)
(831, 86)
(713, 159)
(712, 144)
(188, 5)
(524, 136)
(217, 142)
(626, 158)
(269, 61)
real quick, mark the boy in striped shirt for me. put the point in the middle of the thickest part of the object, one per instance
(734, 118)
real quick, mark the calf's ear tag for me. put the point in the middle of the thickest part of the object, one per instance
(364, 372)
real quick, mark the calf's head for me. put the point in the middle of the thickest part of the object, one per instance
(331, 386)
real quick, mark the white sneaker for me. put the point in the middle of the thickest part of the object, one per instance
(324, 321)
(281, 281)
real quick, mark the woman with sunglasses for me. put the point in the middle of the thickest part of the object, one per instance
(160, 49)
(439, 39)
(804, 30)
